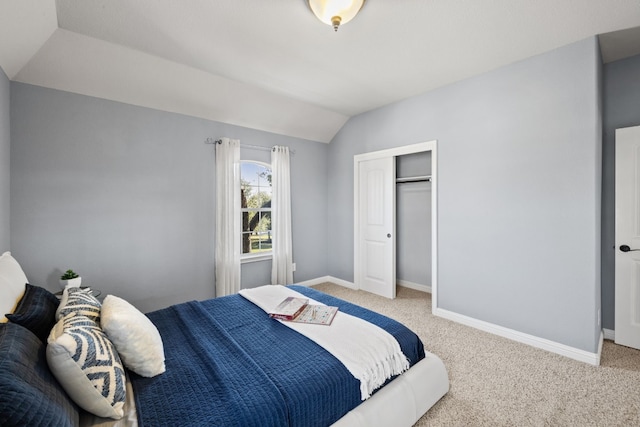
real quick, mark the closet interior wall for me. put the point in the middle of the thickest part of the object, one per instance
(413, 220)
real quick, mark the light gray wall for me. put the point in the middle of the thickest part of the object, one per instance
(413, 220)
(125, 196)
(519, 169)
(5, 154)
(621, 109)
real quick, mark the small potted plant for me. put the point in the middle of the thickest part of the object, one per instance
(70, 278)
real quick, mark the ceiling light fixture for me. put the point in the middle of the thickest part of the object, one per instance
(335, 12)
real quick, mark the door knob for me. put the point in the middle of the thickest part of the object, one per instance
(389, 235)
(626, 248)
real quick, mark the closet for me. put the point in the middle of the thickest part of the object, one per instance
(413, 220)
(395, 219)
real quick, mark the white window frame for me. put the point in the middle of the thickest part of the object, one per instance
(261, 256)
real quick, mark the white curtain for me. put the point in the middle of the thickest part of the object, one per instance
(282, 268)
(228, 220)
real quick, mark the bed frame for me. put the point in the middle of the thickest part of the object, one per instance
(403, 401)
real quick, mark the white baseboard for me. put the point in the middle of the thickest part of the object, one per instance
(331, 279)
(609, 334)
(313, 282)
(542, 343)
(350, 285)
(416, 286)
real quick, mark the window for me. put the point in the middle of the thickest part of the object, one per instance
(255, 199)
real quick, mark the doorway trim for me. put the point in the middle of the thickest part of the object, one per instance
(394, 152)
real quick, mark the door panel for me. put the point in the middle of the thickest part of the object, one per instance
(627, 295)
(376, 272)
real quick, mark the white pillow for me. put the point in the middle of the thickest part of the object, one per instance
(87, 366)
(12, 284)
(137, 340)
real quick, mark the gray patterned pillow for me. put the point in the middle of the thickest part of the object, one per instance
(79, 300)
(87, 365)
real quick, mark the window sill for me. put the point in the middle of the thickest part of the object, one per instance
(255, 258)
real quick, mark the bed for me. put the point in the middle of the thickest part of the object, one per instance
(225, 362)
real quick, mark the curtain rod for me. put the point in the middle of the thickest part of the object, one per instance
(255, 147)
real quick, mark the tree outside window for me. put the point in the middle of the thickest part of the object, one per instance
(255, 199)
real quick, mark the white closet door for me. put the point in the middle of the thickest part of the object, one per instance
(628, 237)
(376, 222)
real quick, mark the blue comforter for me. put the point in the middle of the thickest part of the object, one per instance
(229, 364)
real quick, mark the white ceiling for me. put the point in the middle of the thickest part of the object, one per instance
(271, 65)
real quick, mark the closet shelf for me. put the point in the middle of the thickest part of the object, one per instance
(423, 178)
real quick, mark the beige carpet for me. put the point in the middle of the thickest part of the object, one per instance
(499, 382)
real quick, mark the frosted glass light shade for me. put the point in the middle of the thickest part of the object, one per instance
(335, 12)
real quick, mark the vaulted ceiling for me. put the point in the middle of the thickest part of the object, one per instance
(271, 65)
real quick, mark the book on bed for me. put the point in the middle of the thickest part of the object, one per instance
(316, 314)
(299, 310)
(289, 308)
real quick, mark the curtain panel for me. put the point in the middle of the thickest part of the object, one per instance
(228, 221)
(282, 262)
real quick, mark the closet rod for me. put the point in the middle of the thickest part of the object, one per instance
(255, 147)
(425, 178)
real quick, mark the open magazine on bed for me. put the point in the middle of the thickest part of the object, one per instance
(299, 310)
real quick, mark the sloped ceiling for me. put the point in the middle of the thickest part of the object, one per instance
(271, 65)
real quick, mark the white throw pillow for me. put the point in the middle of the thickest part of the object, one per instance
(137, 339)
(12, 284)
(87, 366)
